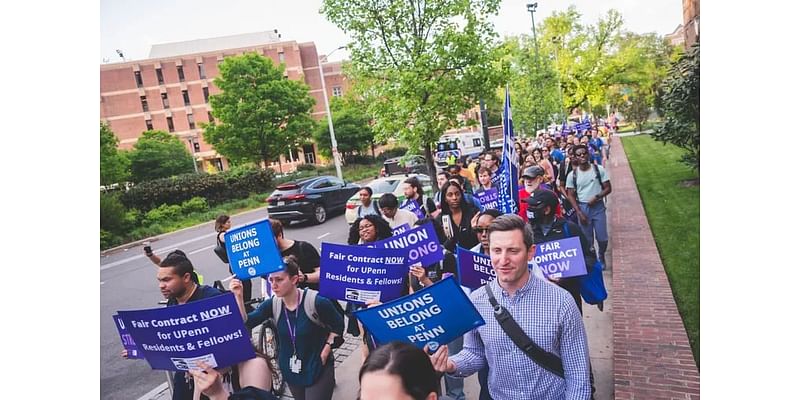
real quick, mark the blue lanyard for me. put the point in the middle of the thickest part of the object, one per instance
(293, 332)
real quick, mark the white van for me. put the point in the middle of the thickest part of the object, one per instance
(467, 144)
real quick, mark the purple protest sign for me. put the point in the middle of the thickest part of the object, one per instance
(359, 273)
(400, 229)
(474, 269)
(489, 198)
(413, 206)
(561, 258)
(420, 245)
(127, 340)
(177, 338)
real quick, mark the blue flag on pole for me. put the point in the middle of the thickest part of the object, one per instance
(508, 181)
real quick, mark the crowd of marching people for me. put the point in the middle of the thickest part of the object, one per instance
(563, 185)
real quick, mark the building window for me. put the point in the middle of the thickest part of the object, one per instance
(160, 76)
(205, 94)
(170, 125)
(210, 117)
(202, 69)
(190, 117)
(144, 103)
(196, 146)
(337, 91)
(164, 100)
(281, 57)
(180, 73)
(185, 97)
(149, 124)
(138, 76)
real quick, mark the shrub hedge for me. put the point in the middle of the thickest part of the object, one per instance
(236, 183)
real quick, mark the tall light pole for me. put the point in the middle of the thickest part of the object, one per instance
(532, 9)
(557, 40)
(334, 149)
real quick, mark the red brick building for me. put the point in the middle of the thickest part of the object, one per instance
(169, 91)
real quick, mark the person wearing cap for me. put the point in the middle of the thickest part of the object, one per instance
(532, 178)
(547, 227)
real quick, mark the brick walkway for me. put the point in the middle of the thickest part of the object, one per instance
(652, 356)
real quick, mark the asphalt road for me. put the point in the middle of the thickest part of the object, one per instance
(128, 282)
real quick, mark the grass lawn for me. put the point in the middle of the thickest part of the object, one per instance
(630, 127)
(673, 211)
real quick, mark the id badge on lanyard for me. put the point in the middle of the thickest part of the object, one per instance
(295, 364)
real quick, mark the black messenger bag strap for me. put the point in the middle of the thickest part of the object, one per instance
(545, 359)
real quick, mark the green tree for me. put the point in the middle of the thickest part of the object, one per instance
(114, 165)
(681, 107)
(261, 114)
(351, 124)
(157, 154)
(418, 64)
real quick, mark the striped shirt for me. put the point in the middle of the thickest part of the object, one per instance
(549, 316)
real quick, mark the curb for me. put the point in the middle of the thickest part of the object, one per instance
(159, 236)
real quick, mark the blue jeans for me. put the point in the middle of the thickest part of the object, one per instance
(597, 225)
(454, 387)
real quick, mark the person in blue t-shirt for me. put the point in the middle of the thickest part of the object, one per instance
(305, 355)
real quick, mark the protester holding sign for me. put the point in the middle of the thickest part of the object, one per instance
(546, 315)
(548, 227)
(485, 180)
(221, 225)
(368, 229)
(398, 370)
(176, 285)
(453, 226)
(306, 254)
(414, 192)
(305, 353)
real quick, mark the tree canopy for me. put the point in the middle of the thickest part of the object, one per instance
(260, 113)
(681, 107)
(157, 154)
(351, 124)
(114, 165)
(418, 64)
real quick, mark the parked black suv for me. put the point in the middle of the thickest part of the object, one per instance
(309, 199)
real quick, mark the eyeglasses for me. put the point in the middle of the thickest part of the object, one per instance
(580, 153)
(480, 230)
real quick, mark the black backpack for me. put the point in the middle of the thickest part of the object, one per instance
(220, 250)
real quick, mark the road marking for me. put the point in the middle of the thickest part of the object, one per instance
(326, 234)
(204, 248)
(160, 251)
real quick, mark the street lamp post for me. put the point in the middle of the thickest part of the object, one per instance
(194, 159)
(334, 149)
(532, 9)
(558, 74)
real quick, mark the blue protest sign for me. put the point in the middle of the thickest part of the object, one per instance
(400, 229)
(434, 316)
(177, 338)
(420, 245)
(561, 258)
(411, 205)
(489, 198)
(252, 250)
(127, 340)
(474, 269)
(360, 273)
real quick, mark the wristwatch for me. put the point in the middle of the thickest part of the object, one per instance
(330, 343)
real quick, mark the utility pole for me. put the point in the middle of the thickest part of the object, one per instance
(484, 125)
(334, 149)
